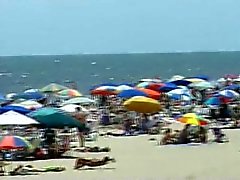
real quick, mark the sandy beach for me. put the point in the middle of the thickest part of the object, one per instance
(138, 158)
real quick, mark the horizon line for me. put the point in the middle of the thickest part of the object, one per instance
(122, 53)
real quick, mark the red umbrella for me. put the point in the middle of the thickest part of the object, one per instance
(155, 86)
(151, 93)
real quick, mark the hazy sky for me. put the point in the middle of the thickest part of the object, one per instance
(116, 26)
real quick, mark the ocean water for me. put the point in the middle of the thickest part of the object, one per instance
(18, 73)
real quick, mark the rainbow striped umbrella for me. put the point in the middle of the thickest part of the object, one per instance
(14, 142)
(69, 93)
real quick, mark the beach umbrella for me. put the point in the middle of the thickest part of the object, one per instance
(14, 118)
(29, 104)
(54, 118)
(104, 91)
(69, 93)
(168, 87)
(178, 97)
(203, 77)
(143, 84)
(175, 78)
(142, 104)
(79, 100)
(71, 108)
(155, 86)
(228, 94)
(52, 88)
(150, 93)
(202, 85)
(213, 101)
(151, 80)
(131, 93)
(180, 91)
(182, 82)
(31, 90)
(121, 88)
(29, 95)
(18, 109)
(194, 80)
(233, 87)
(193, 119)
(14, 142)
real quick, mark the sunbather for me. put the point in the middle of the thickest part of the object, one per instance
(93, 149)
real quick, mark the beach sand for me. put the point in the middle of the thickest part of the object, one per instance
(137, 158)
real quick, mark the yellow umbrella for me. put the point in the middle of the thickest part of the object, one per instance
(142, 104)
(193, 119)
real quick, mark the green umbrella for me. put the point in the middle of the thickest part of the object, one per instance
(53, 87)
(55, 118)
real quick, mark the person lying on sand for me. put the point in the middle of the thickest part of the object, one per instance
(93, 149)
(30, 170)
(168, 138)
(81, 162)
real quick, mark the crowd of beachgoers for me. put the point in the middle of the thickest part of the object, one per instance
(44, 123)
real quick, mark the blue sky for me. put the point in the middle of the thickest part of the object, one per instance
(117, 26)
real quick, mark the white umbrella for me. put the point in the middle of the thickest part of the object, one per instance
(123, 87)
(71, 108)
(79, 100)
(29, 104)
(14, 118)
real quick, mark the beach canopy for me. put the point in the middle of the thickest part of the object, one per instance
(18, 109)
(193, 119)
(14, 142)
(79, 100)
(14, 118)
(142, 104)
(131, 93)
(68, 93)
(54, 118)
(52, 88)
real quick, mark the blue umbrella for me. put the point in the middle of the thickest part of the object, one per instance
(55, 118)
(131, 93)
(181, 82)
(168, 87)
(213, 101)
(18, 109)
(203, 77)
(29, 95)
(233, 87)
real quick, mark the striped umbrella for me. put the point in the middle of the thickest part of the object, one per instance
(14, 142)
(69, 93)
(193, 119)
